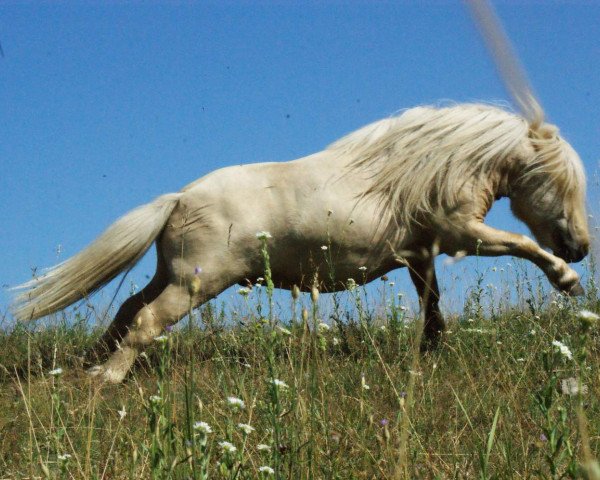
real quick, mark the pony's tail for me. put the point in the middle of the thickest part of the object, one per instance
(117, 249)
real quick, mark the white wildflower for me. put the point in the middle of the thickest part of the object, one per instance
(263, 235)
(335, 341)
(63, 457)
(322, 327)
(161, 339)
(55, 372)
(392, 284)
(363, 383)
(350, 284)
(244, 291)
(570, 386)
(362, 269)
(261, 447)
(247, 429)
(564, 350)
(202, 427)
(122, 413)
(155, 399)
(227, 447)
(588, 316)
(236, 402)
(280, 384)
(324, 248)
(267, 470)
(520, 360)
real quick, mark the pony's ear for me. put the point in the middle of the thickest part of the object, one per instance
(544, 131)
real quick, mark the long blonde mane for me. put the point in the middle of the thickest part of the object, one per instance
(419, 161)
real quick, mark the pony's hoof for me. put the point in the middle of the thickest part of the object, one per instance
(105, 375)
(576, 290)
(95, 371)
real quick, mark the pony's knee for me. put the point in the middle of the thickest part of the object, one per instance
(145, 328)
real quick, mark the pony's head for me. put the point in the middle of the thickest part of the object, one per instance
(548, 194)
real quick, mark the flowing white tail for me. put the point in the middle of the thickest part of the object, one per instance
(117, 249)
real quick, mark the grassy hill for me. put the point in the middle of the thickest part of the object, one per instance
(508, 394)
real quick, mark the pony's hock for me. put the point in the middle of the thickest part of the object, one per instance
(407, 187)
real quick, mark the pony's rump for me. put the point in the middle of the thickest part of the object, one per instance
(117, 249)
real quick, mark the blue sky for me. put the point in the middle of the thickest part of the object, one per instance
(105, 105)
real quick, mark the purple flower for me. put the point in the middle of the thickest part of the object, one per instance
(402, 394)
(384, 422)
(197, 270)
(543, 438)
(169, 328)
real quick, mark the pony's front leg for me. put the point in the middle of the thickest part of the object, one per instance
(481, 239)
(422, 274)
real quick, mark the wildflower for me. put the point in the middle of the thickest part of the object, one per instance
(261, 447)
(402, 307)
(543, 438)
(260, 280)
(416, 373)
(202, 427)
(324, 248)
(267, 470)
(384, 422)
(520, 360)
(122, 412)
(570, 386)
(564, 350)
(161, 339)
(169, 328)
(392, 284)
(263, 235)
(350, 284)
(336, 341)
(244, 291)
(588, 316)
(63, 457)
(227, 447)
(155, 399)
(247, 429)
(280, 384)
(56, 372)
(197, 270)
(314, 294)
(322, 327)
(295, 292)
(363, 268)
(236, 402)
(363, 383)
(283, 330)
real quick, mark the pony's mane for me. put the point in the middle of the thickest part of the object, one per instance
(419, 160)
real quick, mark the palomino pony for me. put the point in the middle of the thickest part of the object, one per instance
(394, 193)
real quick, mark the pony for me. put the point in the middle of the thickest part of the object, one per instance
(395, 193)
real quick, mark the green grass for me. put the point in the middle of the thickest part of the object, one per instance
(359, 402)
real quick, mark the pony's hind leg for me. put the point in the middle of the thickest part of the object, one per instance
(422, 274)
(114, 334)
(168, 307)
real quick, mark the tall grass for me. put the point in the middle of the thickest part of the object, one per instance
(510, 393)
